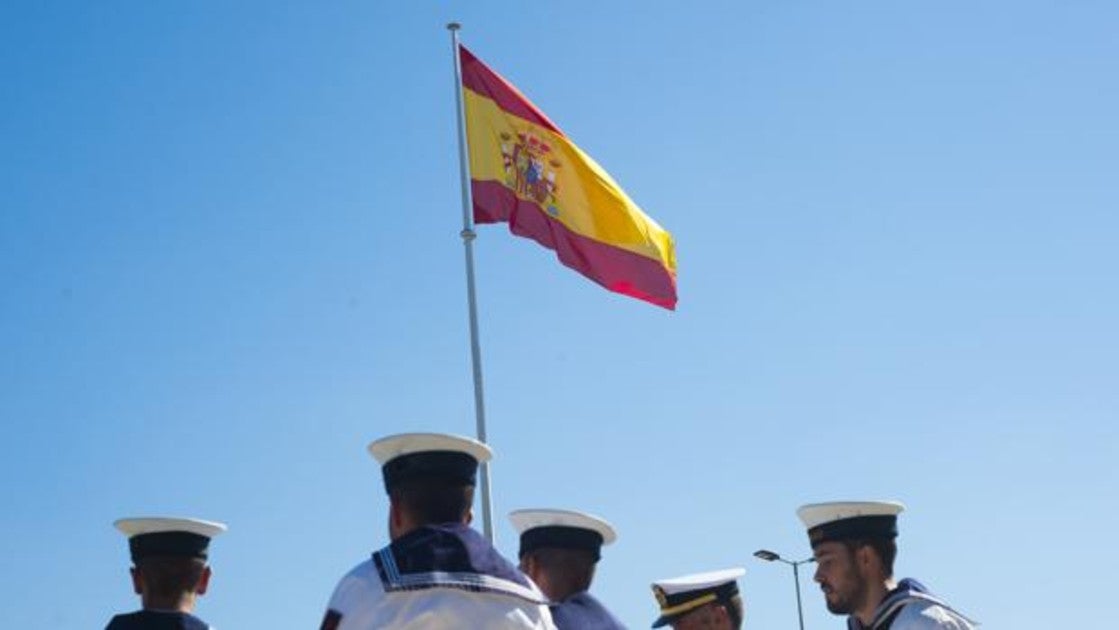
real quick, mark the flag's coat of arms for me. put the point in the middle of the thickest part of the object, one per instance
(529, 169)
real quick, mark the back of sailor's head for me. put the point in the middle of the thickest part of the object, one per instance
(431, 476)
(169, 555)
(560, 548)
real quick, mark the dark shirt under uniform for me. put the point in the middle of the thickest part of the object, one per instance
(582, 611)
(157, 620)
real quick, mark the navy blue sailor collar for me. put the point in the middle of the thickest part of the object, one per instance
(582, 610)
(157, 620)
(450, 555)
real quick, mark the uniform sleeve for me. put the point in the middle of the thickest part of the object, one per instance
(352, 599)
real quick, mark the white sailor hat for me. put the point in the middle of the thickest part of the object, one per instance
(681, 595)
(168, 536)
(847, 520)
(563, 529)
(409, 456)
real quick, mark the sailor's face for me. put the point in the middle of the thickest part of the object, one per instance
(838, 575)
(708, 617)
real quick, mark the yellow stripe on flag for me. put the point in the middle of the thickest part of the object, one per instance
(578, 182)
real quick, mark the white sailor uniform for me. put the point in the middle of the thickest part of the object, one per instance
(910, 606)
(568, 531)
(439, 577)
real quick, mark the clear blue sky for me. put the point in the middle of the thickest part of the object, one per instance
(228, 238)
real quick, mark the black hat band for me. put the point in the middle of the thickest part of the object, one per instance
(452, 466)
(558, 536)
(181, 544)
(853, 528)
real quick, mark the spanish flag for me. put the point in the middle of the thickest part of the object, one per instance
(526, 172)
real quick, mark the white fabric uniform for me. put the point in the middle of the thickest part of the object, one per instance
(361, 601)
(923, 615)
(911, 607)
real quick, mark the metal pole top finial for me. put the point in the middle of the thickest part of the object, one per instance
(453, 26)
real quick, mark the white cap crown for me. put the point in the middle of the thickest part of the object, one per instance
(528, 519)
(389, 448)
(166, 524)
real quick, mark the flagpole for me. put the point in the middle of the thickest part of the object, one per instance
(468, 243)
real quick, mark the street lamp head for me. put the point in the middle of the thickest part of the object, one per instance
(766, 555)
(770, 556)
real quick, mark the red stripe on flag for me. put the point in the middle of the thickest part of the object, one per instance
(617, 269)
(476, 76)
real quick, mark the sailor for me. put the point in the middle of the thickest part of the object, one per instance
(559, 551)
(437, 573)
(169, 572)
(704, 600)
(854, 546)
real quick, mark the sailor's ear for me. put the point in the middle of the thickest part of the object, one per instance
(137, 581)
(203, 581)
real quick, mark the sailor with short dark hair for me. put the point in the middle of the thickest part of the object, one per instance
(437, 573)
(169, 572)
(854, 545)
(559, 550)
(701, 601)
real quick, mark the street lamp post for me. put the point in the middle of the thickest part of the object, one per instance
(769, 556)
